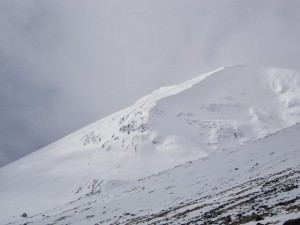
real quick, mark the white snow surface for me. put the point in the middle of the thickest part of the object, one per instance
(220, 110)
(260, 178)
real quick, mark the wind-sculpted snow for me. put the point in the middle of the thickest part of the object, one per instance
(217, 111)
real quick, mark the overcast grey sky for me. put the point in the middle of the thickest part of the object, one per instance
(67, 63)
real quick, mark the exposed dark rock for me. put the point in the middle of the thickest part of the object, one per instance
(264, 207)
(259, 218)
(239, 215)
(292, 222)
(228, 219)
(289, 188)
(89, 216)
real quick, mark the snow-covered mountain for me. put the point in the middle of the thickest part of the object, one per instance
(220, 110)
(255, 182)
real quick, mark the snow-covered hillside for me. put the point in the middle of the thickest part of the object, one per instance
(251, 183)
(219, 110)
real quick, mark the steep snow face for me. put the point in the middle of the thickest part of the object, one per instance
(218, 110)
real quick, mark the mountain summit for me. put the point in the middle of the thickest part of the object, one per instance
(217, 111)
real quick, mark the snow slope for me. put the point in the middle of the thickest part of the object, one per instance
(218, 110)
(257, 181)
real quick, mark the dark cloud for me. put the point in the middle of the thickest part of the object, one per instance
(64, 64)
